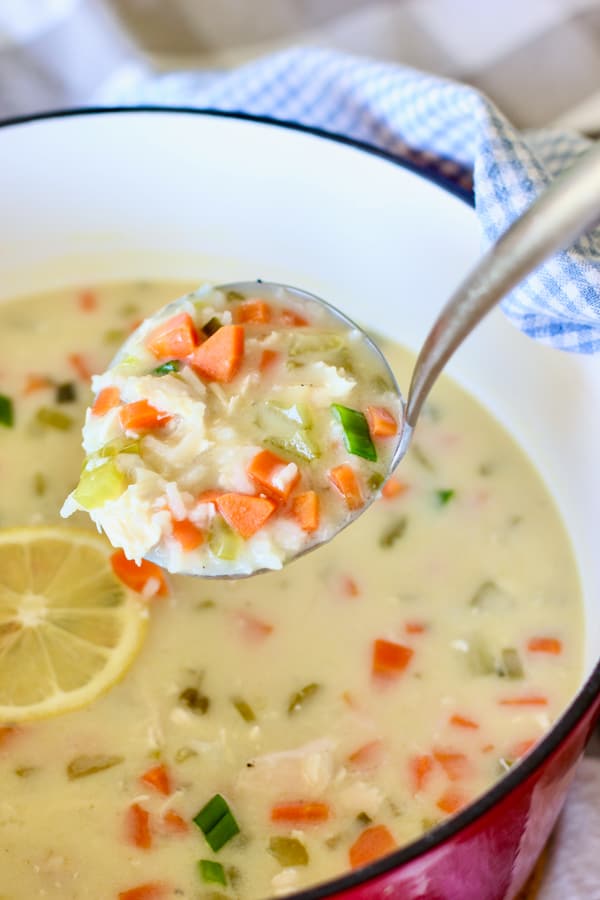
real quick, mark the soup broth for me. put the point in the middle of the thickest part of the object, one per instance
(355, 698)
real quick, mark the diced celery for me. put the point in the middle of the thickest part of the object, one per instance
(299, 698)
(7, 416)
(480, 657)
(167, 368)
(512, 667)
(212, 326)
(244, 709)
(119, 445)
(299, 445)
(223, 541)
(320, 343)
(277, 418)
(53, 418)
(100, 484)
(288, 851)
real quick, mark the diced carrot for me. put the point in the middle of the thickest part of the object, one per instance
(7, 732)
(87, 300)
(219, 358)
(463, 722)
(487, 748)
(381, 422)
(140, 578)
(253, 311)
(292, 318)
(107, 399)
(187, 535)
(158, 777)
(305, 509)
(521, 748)
(367, 757)
(524, 700)
(415, 627)
(133, 326)
(275, 476)
(545, 645)
(393, 488)
(173, 339)
(141, 416)
(209, 496)
(174, 823)
(37, 383)
(420, 768)
(346, 481)
(138, 827)
(301, 812)
(267, 359)
(244, 513)
(80, 366)
(252, 627)
(390, 659)
(451, 801)
(455, 765)
(371, 844)
(349, 587)
(151, 890)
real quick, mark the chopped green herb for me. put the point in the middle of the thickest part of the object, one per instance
(212, 872)
(25, 771)
(428, 824)
(432, 412)
(85, 765)
(357, 436)
(7, 416)
(233, 296)
(393, 533)
(486, 469)
(40, 485)
(511, 665)
(298, 699)
(244, 709)
(288, 851)
(215, 820)
(444, 496)
(173, 365)
(195, 700)
(364, 818)
(234, 876)
(375, 481)
(212, 326)
(66, 392)
(421, 457)
(380, 383)
(53, 418)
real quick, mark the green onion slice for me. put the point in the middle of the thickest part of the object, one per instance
(7, 416)
(357, 436)
(212, 872)
(216, 822)
(173, 365)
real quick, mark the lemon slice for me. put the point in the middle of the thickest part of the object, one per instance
(69, 629)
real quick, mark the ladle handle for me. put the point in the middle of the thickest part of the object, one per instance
(568, 208)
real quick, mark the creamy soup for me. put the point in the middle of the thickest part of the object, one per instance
(275, 732)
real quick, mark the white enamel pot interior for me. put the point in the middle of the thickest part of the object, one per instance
(102, 195)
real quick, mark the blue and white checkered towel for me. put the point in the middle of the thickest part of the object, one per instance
(440, 125)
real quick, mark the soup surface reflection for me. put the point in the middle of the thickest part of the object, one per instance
(341, 707)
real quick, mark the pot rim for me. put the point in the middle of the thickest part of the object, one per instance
(590, 689)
